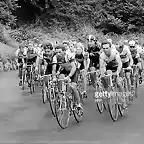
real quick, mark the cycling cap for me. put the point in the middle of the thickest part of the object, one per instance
(132, 43)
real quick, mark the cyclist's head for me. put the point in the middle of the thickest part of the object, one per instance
(47, 47)
(120, 46)
(80, 48)
(132, 44)
(91, 40)
(106, 46)
(86, 55)
(66, 44)
(72, 47)
(60, 52)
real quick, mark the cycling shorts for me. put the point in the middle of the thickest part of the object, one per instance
(136, 61)
(20, 60)
(126, 64)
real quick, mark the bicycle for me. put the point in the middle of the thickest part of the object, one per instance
(80, 84)
(31, 77)
(65, 104)
(100, 103)
(48, 92)
(125, 84)
(112, 99)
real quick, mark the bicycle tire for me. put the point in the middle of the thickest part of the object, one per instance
(99, 102)
(57, 106)
(51, 101)
(77, 117)
(113, 115)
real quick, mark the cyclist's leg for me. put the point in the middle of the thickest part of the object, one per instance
(140, 69)
(84, 75)
(128, 74)
(76, 94)
(92, 76)
(121, 90)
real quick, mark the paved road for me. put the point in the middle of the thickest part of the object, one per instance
(23, 118)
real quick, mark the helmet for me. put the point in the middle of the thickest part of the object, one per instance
(109, 40)
(132, 43)
(91, 38)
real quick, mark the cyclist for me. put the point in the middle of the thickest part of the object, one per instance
(110, 60)
(31, 58)
(93, 50)
(48, 58)
(127, 61)
(80, 59)
(20, 54)
(135, 52)
(68, 69)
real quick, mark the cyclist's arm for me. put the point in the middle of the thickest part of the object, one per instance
(86, 64)
(102, 65)
(73, 70)
(118, 59)
(130, 58)
(54, 66)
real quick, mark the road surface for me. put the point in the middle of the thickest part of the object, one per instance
(25, 119)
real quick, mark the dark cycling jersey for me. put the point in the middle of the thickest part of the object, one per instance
(80, 59)
(95, 57)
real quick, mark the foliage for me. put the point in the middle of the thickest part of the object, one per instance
(7, 8)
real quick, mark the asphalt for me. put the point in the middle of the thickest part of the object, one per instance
(25, 119)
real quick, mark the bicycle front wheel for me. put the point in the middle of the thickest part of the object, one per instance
(113, 106)
(52, 101)
(62, 110)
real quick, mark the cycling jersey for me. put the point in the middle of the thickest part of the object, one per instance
(20, 53)
(66, 67)
(125, 54)
(94, 58)
(80, 59)
(31, 56)
(111, 62)
(31, 53)
(50, 61)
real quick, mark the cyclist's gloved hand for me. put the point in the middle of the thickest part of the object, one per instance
(68, 78)
(54, 79)
(36, 68)
(129, 67)
(116, 73)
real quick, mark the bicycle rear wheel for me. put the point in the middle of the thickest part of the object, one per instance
(113, 106)
(62, 110)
